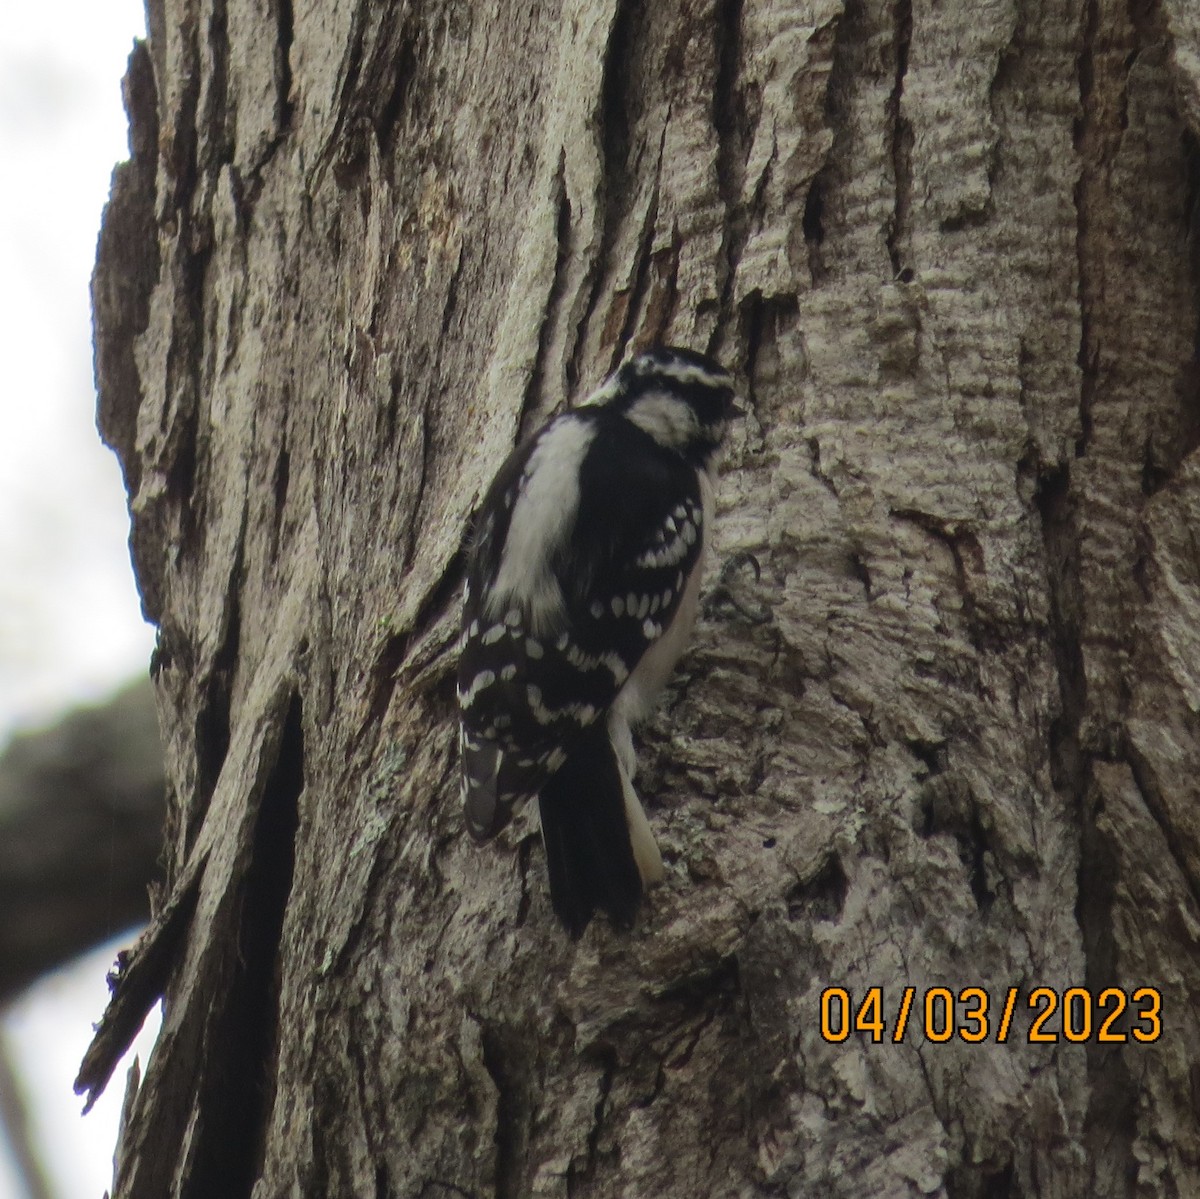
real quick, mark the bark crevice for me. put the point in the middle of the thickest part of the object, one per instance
(729, 122)
(286, 25)
(512, 1114)
(532, 404)
(901, 139)
(614, 143)
(1088, 147)
(637, 297)
(234, 1101)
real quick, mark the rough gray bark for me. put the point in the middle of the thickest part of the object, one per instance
(950, 247)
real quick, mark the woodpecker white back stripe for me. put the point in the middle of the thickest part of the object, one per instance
(542, 519)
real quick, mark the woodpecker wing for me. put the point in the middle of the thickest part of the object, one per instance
(546, 653)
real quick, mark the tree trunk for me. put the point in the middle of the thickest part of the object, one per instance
(945, 736)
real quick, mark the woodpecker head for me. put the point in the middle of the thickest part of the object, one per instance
(682, 399)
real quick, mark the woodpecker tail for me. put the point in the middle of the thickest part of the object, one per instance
(599, 848)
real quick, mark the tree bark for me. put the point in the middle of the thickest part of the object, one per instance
(944, 736)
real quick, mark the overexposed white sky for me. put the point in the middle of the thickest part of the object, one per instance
(47, 1033)
(69, 617)
(70, 624)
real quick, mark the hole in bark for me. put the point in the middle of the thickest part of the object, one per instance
(983, 1182)
(1154, 473)
(948, 808)
(814, 211)
(181, 476)
(977, 847)
(812, 224)
(931, 754)
(858, 569)
(822, 897)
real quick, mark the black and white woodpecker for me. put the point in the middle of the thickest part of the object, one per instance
(581, 592)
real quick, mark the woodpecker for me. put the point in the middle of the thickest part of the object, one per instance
(581, 592)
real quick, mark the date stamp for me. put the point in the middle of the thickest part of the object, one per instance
(973, 1014)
